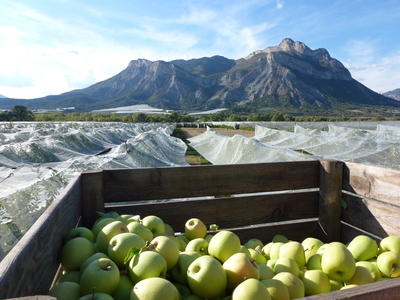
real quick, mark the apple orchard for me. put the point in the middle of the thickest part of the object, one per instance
(124, 257)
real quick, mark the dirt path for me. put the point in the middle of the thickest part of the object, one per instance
(191, 132)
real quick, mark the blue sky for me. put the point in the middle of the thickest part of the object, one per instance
(49, 47)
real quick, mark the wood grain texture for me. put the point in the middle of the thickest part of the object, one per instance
(92, 196)
(372, 182)
(376, 217)
(29, 268)
(230, 212)
(199, 181)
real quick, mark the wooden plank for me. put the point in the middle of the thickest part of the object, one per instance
(331, 172)
(349, 232)
(30, 266)
(230, 212)
(199, 181)
(42, 297)
(92, 196)
(372, 182)
(373, 216)
(387, 289)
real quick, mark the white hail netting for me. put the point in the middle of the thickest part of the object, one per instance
(37, 160)
(380, 146)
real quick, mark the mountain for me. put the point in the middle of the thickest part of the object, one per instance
(395, 94)
(1, 96)
(289, 75)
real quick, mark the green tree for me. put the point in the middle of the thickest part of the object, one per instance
(21, 113)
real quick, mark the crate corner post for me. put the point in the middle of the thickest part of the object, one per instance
(92, 196)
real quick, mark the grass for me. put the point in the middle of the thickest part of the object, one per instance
(192, 156)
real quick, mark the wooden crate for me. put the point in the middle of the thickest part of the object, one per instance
(327, 199)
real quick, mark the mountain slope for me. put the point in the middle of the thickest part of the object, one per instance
(287, 75)
(395, 94)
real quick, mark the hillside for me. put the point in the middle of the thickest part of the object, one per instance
(395, 94)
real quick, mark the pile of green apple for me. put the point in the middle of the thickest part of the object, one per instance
(124, 257)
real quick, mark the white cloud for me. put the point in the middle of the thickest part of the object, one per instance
(279, 4)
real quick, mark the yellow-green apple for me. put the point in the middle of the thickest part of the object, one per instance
(361, 276)
(238, 268)
(208, 237)
(195, 228)
(372, 268)
(276, 289)
(124, 218)
(108, 232)
(66, 291)
(389, 264)
(338, 262)
(79, 232)
(102, 274)
(154, 288)
(254, 243)
(183, 290)
(363, 247)
(124, 288)
(274, 250)
(315, 282)
(97, 296)
(179, 271)
(97, 227)
(199, 245)
(311, 246)
(335, 285)
(280, 238)
(295, 251)
(266, 250)
(71, 276)
(271, 263)
(119, 246)
(183, 240)
(286, 264)
(245, 250)
(314, 262)
(167, 248)
(294, 284)
(390, 243)
(223, 245)
(257, 256)
(145, 265)
(75, 252)
(195, 297)
(206, 277)
(154, 224)
(169, 231)
(322, 248)
(94, 257)
(139, 229)
(265, 272)
(251, 289)
(348, 286)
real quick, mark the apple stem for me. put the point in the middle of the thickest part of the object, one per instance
(93, 292)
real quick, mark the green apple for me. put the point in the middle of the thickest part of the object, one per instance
(79, 232)
(390, 243)
(338, 262)
(372, 268)
(169, 231)
(141, 230)
(71, 276)
(208, 237)
(294, 284)
(335, 285)
(123, 289)
(311, 246)
(238, 268)
(265, 272)
(124, 218)
(97, 227)
(206, 277)
(154, 224)
(286, 264)
(274, 250)
(245, 250)
(223, 245)
(183, 240)
(389, 264)
(119, 246)
(266, 250)
(314, 262)
(94, 257)
(279, 238)
(348, 286)
(276, 289)
(108, 232)
(257, 256)
(195, 228)
(315, 282)
(97, 296)
(75, 252)
(66, 291)
(199, 245)
(154, 288)
(254, 243)
(271, 263)
(322, 248)
(103, 274)
(251, 289)
(167, 248)
(363, 247)
(179, 271)
(145, 265)
(295, 251)
(361, 276)
(183, 290)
